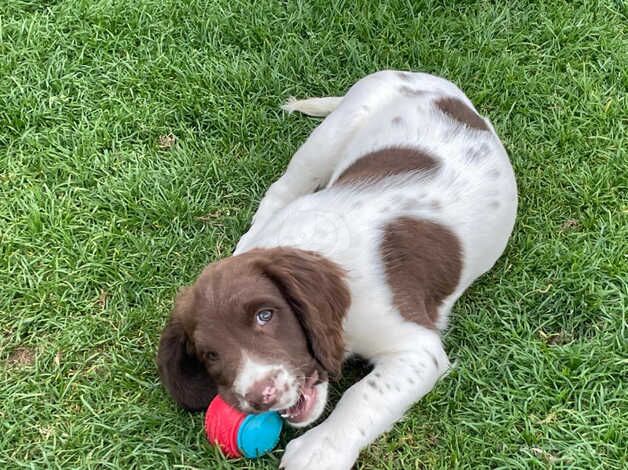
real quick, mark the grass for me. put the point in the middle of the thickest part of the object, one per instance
(101, 221)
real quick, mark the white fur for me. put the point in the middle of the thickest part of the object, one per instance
(312, 106)
(253, 370)
(343, 223)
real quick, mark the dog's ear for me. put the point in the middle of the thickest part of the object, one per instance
(181, 372)
(317, 292)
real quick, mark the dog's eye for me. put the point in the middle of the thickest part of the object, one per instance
(211, 356)
(263, 317)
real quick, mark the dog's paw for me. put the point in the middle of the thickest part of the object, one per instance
(321, 448)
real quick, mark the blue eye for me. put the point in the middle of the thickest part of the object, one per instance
(263, 317)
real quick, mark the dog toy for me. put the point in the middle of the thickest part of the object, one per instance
(238, 434)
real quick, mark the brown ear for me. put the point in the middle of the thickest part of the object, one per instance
(181, 372)
(315, 288)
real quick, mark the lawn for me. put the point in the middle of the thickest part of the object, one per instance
(137, 137)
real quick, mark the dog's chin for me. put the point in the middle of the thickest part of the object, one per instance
(308, 408)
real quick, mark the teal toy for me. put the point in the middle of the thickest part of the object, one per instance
(238, 434)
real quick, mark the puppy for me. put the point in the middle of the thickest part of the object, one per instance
(394, 205)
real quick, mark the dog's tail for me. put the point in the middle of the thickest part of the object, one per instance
(319, 107)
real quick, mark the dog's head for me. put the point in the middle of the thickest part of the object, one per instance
(263, 329)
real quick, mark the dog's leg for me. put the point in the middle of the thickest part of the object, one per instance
(312, 165)
(370, 407)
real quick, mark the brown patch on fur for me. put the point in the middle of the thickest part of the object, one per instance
(182, 372)
(214, 321)
(461, 112)
(376, 166)
(396, 121)
(423, 262)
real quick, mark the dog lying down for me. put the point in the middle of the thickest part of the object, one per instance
(394, 205)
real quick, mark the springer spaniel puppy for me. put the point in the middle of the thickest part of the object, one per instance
(395, 204)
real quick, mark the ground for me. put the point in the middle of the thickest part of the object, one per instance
(137, 137)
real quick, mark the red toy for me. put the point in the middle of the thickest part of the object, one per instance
(238, 434)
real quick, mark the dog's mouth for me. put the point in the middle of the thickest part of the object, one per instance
(302, 409)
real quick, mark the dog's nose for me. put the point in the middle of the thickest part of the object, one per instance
(262, 395)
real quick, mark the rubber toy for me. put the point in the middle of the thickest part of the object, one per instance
(238, 434)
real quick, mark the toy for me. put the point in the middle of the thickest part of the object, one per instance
(238, 434)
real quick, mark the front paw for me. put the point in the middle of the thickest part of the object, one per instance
(321, 448)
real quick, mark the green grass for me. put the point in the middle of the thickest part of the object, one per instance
(99, 226)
